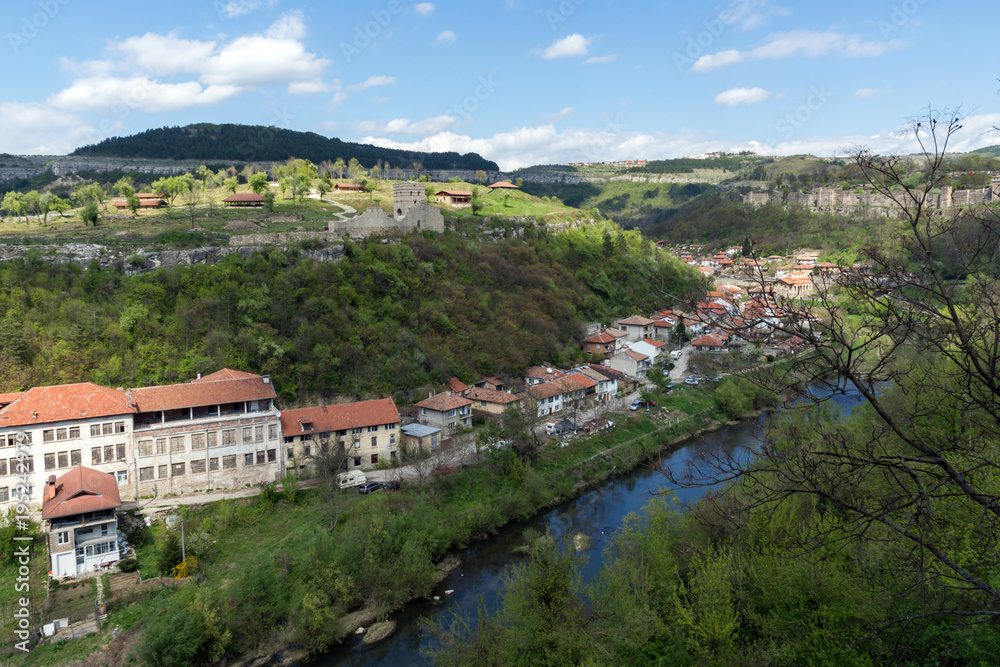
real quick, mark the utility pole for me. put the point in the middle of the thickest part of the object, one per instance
(183, 551)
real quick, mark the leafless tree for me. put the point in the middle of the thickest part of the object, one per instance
(915, 332)
(329, 461)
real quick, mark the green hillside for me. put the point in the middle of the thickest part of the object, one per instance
(255, 143)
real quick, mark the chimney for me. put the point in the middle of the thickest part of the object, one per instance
(199, 376)
(266, 378)
(34, 414)
(50, 489)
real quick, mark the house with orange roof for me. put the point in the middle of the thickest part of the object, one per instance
(650, 347)
(713, 342)
(454, 198)
(492, 401)
(457, 387)
(80, 510)
(602, 344)
(445, 411)
(221, 430)
(369, 432)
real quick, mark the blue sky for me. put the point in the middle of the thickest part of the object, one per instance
(519, 82)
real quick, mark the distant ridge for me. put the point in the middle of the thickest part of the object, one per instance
(256, 143)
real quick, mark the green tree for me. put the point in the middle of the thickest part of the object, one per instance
(369, 186)
(258, 182)
(339, 166)
(477, 202)
(168, 554)
(354, 169)
(89, 213)
(232, 184)
(480, 176)
(13, 204)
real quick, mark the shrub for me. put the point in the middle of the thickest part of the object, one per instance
(128, 565)
(169, 554)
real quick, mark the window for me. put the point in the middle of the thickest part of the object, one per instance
(357, 461)
(3, 467)
(258, 433)
(197, 441)
(451, 413)
(213, 463)
(145, 448)
(4, 494)
(176, 469)
(63, 459)
(392, 438)
(229, 462)
(62, 537)
(451, 425)
(145, 474)
(229, 437)
(120, 451)
(247, 434)
(119, 427)
(356, 431)
(104, 530)
(95, 430)
(248, 459)
(260, 458)
(161, 472)
(374, 459)
(177, 444)
(307, 450)
(50, 461)
(291, 453)
(106, 428)
(161, 445)
(213, 438)
(122, 476)
(272, 455)
(198, 466)
(48, 435)
(95, 455)
(74, 432)
(109, 453)
(372, 429)
(272, 432)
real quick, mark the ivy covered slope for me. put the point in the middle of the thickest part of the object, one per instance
(386, 318)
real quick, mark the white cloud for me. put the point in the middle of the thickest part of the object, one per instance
(555, 117)
(38, 129)
(424, 8)
(162, 55)
(379, 80)
(735, 96)
(424, 127)
(803, 43)
(338, 99)
(610, 58)
(869, 92)
(290, 26)
(234, 8)
(314, 87)
(572, 46)
(446, 37)
(750, 14)
(115, 94)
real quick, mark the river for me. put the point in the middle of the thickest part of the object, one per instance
(598, 513)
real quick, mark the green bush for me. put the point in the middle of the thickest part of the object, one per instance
(128, 565)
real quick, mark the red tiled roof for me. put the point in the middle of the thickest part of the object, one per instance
(654, 343)
(226, 374)
(710, 340)
(579, 379)
(600, 338)
(244, 196)
(637, 321)
(538, 373)
(82, 490)
(202, 392)
(503, 184)
(41, 405)
(638, 356)
(326, 418)
(444, 402)
(617, 333)
(10, 398)
(457, 385)
(491, 396)
(453, 193)
(546, 390)
(662, 324)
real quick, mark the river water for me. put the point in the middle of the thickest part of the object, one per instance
(597, 513)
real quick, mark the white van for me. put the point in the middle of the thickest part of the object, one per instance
(351, 478)
(676, 354)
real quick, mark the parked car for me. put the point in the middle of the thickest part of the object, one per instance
(442, 470)
(715, 378)
(639, 403)
(368, 487)
(691, 379)
(391, 485)
(676, 354)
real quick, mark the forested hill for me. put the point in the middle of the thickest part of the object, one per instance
(256, 143)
